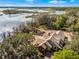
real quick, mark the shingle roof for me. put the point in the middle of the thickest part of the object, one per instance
(48, 35)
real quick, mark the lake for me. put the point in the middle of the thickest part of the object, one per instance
(7, 22)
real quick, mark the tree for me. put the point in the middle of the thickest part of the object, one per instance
(76, 27)
(60, 22)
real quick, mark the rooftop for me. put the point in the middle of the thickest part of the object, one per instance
(48, 34)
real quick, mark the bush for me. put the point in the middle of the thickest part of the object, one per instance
(66, 54)
(73, 44)
(18, 47)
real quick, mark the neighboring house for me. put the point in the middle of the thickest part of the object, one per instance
(71, 19)
(77, 13)
(51, 40)
(1, 13)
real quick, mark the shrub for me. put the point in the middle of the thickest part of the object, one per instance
(66, 54)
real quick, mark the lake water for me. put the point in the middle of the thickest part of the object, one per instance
(7, 22)
(57, 12)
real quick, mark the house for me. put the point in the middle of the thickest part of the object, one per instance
(51, 39)
(1, 13)
(71, 19)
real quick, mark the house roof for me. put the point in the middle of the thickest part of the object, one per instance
(49, 34)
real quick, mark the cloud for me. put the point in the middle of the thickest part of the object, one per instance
(71, 0)
(29, 0)
(57, 2)
(6, 5)
(17, 5)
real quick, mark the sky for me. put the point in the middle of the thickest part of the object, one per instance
(40, 3)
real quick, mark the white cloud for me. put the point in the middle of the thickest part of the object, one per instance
(17, 5)
(71, 0)
(6, 5)
(29, 0)
(57, 2)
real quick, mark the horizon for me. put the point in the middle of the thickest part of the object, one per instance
(39, 3)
